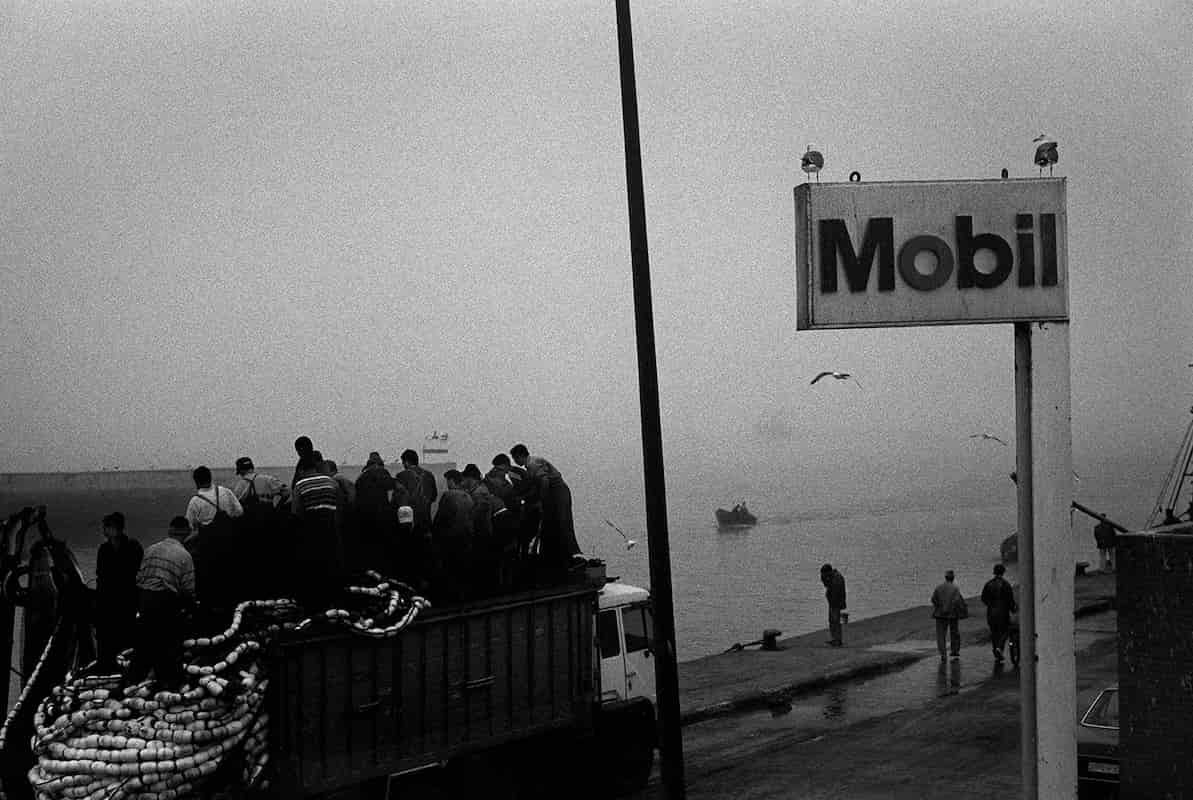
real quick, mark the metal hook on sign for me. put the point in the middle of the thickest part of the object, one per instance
(855, 177)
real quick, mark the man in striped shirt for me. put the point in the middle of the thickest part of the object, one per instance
(318, 502)
(166, 586)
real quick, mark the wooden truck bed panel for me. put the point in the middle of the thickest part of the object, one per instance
(348, 708)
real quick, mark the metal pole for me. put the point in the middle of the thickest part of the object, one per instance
(1027, 622)
(666, 672)
(1048, 673)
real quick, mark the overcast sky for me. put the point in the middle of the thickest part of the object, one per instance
(223, 225)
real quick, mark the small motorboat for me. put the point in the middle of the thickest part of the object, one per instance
(737, 517)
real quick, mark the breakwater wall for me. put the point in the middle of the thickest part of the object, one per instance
(25, 483)
(121, 480)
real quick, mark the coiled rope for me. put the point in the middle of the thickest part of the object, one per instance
(96, 741)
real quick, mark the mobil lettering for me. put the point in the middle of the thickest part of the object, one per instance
(954, 261)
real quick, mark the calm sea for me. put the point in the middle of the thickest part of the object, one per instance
(728, 586)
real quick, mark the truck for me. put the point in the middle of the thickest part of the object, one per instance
(513, 694)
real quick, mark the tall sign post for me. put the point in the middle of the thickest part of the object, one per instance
(666, 668)
(966, 252)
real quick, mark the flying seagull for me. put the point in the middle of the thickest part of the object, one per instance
(812, 162)
(988, 436)
(1046, 154)
(629, 543)
(838, 375)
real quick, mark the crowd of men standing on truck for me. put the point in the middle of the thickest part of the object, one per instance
(484, 534)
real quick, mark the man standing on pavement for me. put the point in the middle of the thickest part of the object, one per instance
(834, 584)
(116, 568)
(999, 598)
(1104, 536)
(948, 607)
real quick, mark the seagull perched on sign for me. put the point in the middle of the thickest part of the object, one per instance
(988, 436)
(841, 376)
(629, 543)
(1046, 154)
(812, 162)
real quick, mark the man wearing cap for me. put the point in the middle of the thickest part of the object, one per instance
(999, 598)
(116, 567)
(254, 488)
(166, 587)
(834, 585)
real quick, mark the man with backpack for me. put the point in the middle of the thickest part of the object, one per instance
(209, 501)
(257, 489)
(214, 544)
(415, 487)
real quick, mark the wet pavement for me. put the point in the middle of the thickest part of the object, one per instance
(812, 715)
(887, 663)
(804, 719)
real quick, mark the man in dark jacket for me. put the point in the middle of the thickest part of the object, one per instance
(116, 568)
(416, 487)
(451, 539)
(376, 519)
(999, 598)
(557, 531)
(834, 585)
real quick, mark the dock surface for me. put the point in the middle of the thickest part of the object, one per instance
(728, 683)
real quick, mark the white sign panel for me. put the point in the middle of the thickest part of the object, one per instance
(930, 253)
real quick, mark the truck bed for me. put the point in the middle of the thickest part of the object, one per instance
(345, 708)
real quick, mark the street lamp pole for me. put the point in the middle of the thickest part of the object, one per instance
(666, 671)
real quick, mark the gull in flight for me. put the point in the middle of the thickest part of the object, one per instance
(629, 543)
(1046, 154)
(841, 376)
(988, 436)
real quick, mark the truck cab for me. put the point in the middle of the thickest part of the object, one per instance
(625, 627)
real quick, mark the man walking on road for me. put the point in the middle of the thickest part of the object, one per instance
(999, 598)
(834, 584)
(948, 607)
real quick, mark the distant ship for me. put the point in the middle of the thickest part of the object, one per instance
(436, 453)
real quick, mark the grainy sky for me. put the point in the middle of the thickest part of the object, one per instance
(226, 224)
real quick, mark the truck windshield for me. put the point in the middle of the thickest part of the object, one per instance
(607, 638)
(637, 628)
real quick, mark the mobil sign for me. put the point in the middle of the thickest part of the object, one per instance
(930, 253)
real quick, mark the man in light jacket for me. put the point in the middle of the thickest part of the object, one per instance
(948, 607)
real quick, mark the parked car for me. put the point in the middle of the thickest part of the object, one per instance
(1097, 747)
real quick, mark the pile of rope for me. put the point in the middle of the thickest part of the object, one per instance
(97, 741)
